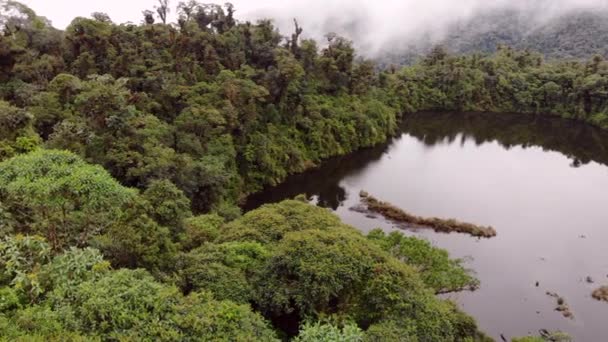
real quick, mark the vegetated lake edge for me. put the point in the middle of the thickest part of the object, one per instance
(401, 119)
(245, 200)
(370, 204)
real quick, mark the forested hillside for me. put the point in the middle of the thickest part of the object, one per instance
(217, 107)
(221, 108)
(507, 81)
(572, 35)
(125, 149)
(577, 34)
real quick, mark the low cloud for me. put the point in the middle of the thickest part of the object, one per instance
(374, 25)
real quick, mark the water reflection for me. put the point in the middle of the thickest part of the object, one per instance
(579, 142)
(322, 183)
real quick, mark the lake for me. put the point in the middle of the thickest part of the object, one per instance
(541, 182)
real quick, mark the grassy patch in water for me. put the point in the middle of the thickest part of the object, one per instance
(396, 214)
(601, 294)
(545, 336)
(562, 306)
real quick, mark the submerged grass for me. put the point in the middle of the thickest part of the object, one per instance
(562, 306)
(393, 213)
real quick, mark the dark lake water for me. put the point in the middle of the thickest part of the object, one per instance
(541, 182)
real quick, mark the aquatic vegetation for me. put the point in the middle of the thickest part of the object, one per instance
(562, 305)
(398, 215)
(545, 336)
(601, 294)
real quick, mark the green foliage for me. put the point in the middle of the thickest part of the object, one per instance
(317, 266)
(203, 319)
(78, 297)
(169, 204)
(135, 240)
(122, 301)
(437, 270)
(38, 323)
(68, 270)
(16, 132)
(329, 333)
(224, 269)
(313, 272)
(21, 259)
(271, 222)
(201, 229)
(507, 81)
(131, 305)
(390, 330)
(9, 299)
(72, 203)
(228, 211)
(59, 196)
(27, 267)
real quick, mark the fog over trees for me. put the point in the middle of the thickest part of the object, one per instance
(376, 27)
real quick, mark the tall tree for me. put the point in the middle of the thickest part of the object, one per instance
(163, 10)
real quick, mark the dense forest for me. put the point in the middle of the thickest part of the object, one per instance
(507, 81)
(125, 150)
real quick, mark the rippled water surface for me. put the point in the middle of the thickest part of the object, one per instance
(541, 182)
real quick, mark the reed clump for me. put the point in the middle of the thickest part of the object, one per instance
(396, 214)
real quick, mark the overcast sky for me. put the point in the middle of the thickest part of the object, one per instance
(376, 20)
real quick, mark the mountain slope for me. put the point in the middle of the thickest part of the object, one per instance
(572, 35)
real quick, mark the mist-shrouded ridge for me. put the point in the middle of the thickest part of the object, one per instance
(392, 26)
(381, 27)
